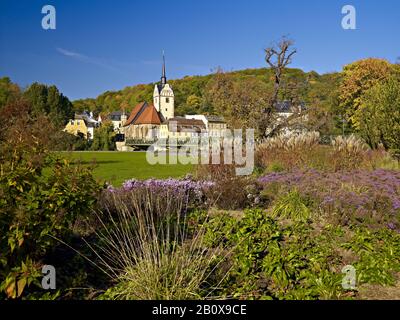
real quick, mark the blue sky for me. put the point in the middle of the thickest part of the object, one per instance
(108, 45)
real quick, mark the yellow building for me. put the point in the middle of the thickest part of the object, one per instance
(82, 125)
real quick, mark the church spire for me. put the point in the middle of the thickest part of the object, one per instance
(163, 76)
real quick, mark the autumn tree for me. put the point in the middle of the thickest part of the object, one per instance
(359, 77)
(378, 114)
(322, 100)
(9, 92)
(242, 103)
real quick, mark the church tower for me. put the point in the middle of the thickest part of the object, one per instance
(163, 96)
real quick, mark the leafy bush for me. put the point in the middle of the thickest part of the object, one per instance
(104, 137)
(40, 199)
(268, 258)
(34, 210)
(378, 254)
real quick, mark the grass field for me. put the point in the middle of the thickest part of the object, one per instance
(116, 167)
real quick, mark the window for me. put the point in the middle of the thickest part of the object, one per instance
(77, 122)
(167, 100)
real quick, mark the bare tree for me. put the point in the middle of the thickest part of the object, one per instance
(278, 56)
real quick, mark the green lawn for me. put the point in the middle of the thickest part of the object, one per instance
(116, 167)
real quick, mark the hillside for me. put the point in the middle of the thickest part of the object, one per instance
(191, 91)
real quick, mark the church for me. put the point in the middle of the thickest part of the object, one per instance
(148, 122)
(145, 119)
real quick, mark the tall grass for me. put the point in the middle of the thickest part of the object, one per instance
(289, 151)
(152, 256)
(348, 152)
(303, 151)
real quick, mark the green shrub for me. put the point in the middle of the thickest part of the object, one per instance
(378, 254)
(270, 260)
(291, 206)
(34, 210)
(40, 199)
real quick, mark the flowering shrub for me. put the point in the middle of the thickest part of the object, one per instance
(179, 186)
(176, 186)
(357, 194)
(162, 197)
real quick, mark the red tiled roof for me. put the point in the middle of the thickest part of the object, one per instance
(143, 114)
(134, 113)
(148, 116)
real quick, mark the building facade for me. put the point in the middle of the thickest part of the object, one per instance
(118, 119)
(182, 128)
(82, 125)
(215, 126)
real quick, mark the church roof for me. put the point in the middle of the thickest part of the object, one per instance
(148, 116)
(134, 113)
(143, 113)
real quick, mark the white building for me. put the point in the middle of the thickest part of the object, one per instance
(163, 97)
(118, 119)
(290, 118)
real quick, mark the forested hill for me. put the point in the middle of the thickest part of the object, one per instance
(191, 92)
